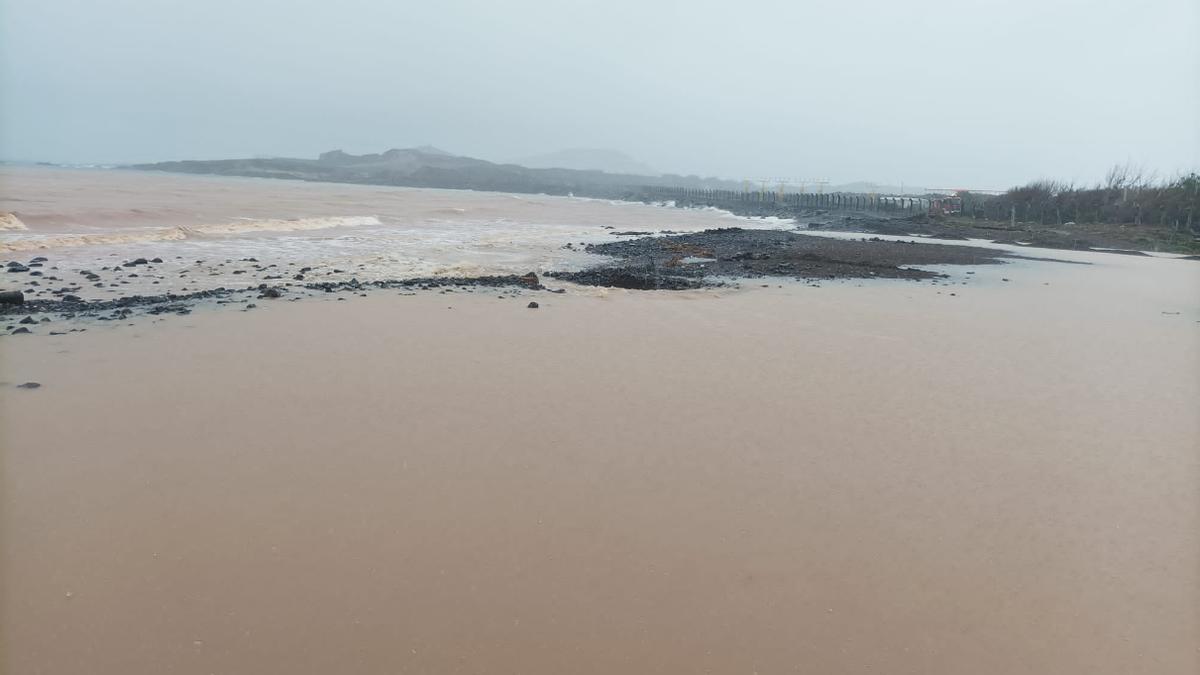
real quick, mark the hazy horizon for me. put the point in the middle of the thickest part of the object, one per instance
(979, 94)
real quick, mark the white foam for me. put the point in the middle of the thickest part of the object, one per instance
(33, 242)
(249, 225)
(10, 221)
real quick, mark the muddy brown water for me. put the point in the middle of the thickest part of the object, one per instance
(875, 479)
(886, 477)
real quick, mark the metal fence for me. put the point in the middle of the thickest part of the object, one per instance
(767, 200)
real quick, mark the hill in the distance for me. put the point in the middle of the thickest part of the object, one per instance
(588, 159)
(430, 167)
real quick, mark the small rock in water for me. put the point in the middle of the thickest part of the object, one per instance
(29, 385)
(532, 305)
(20, 330)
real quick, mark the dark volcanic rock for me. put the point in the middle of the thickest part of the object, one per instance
(532, 305)
(703, 258)
(69, 306)
(11, 297)
(17, 267)
(29, 385)
(20, 331)
(637, 279)
(743, 255)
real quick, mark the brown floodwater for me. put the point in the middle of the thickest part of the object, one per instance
(92, 219)
(849, 479)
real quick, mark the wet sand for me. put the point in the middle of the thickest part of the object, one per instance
(849, 479)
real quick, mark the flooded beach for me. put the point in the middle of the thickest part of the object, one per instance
(93, 218)
(990, 472)
(374, 338)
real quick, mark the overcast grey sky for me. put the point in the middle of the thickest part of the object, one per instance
(975, 93)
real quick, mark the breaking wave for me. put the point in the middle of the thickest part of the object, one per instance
(10, 221)
(248, 225)
(32, 242)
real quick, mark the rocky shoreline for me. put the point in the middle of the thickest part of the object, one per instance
(716, 257)
(1099, 237)
(183, 303)
(711, 258)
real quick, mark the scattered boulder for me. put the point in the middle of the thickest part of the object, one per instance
(11, 297)
(29, 385)
(29, 320)
(530, 279)
(532, 305)
(17, 267)
(20, 330)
